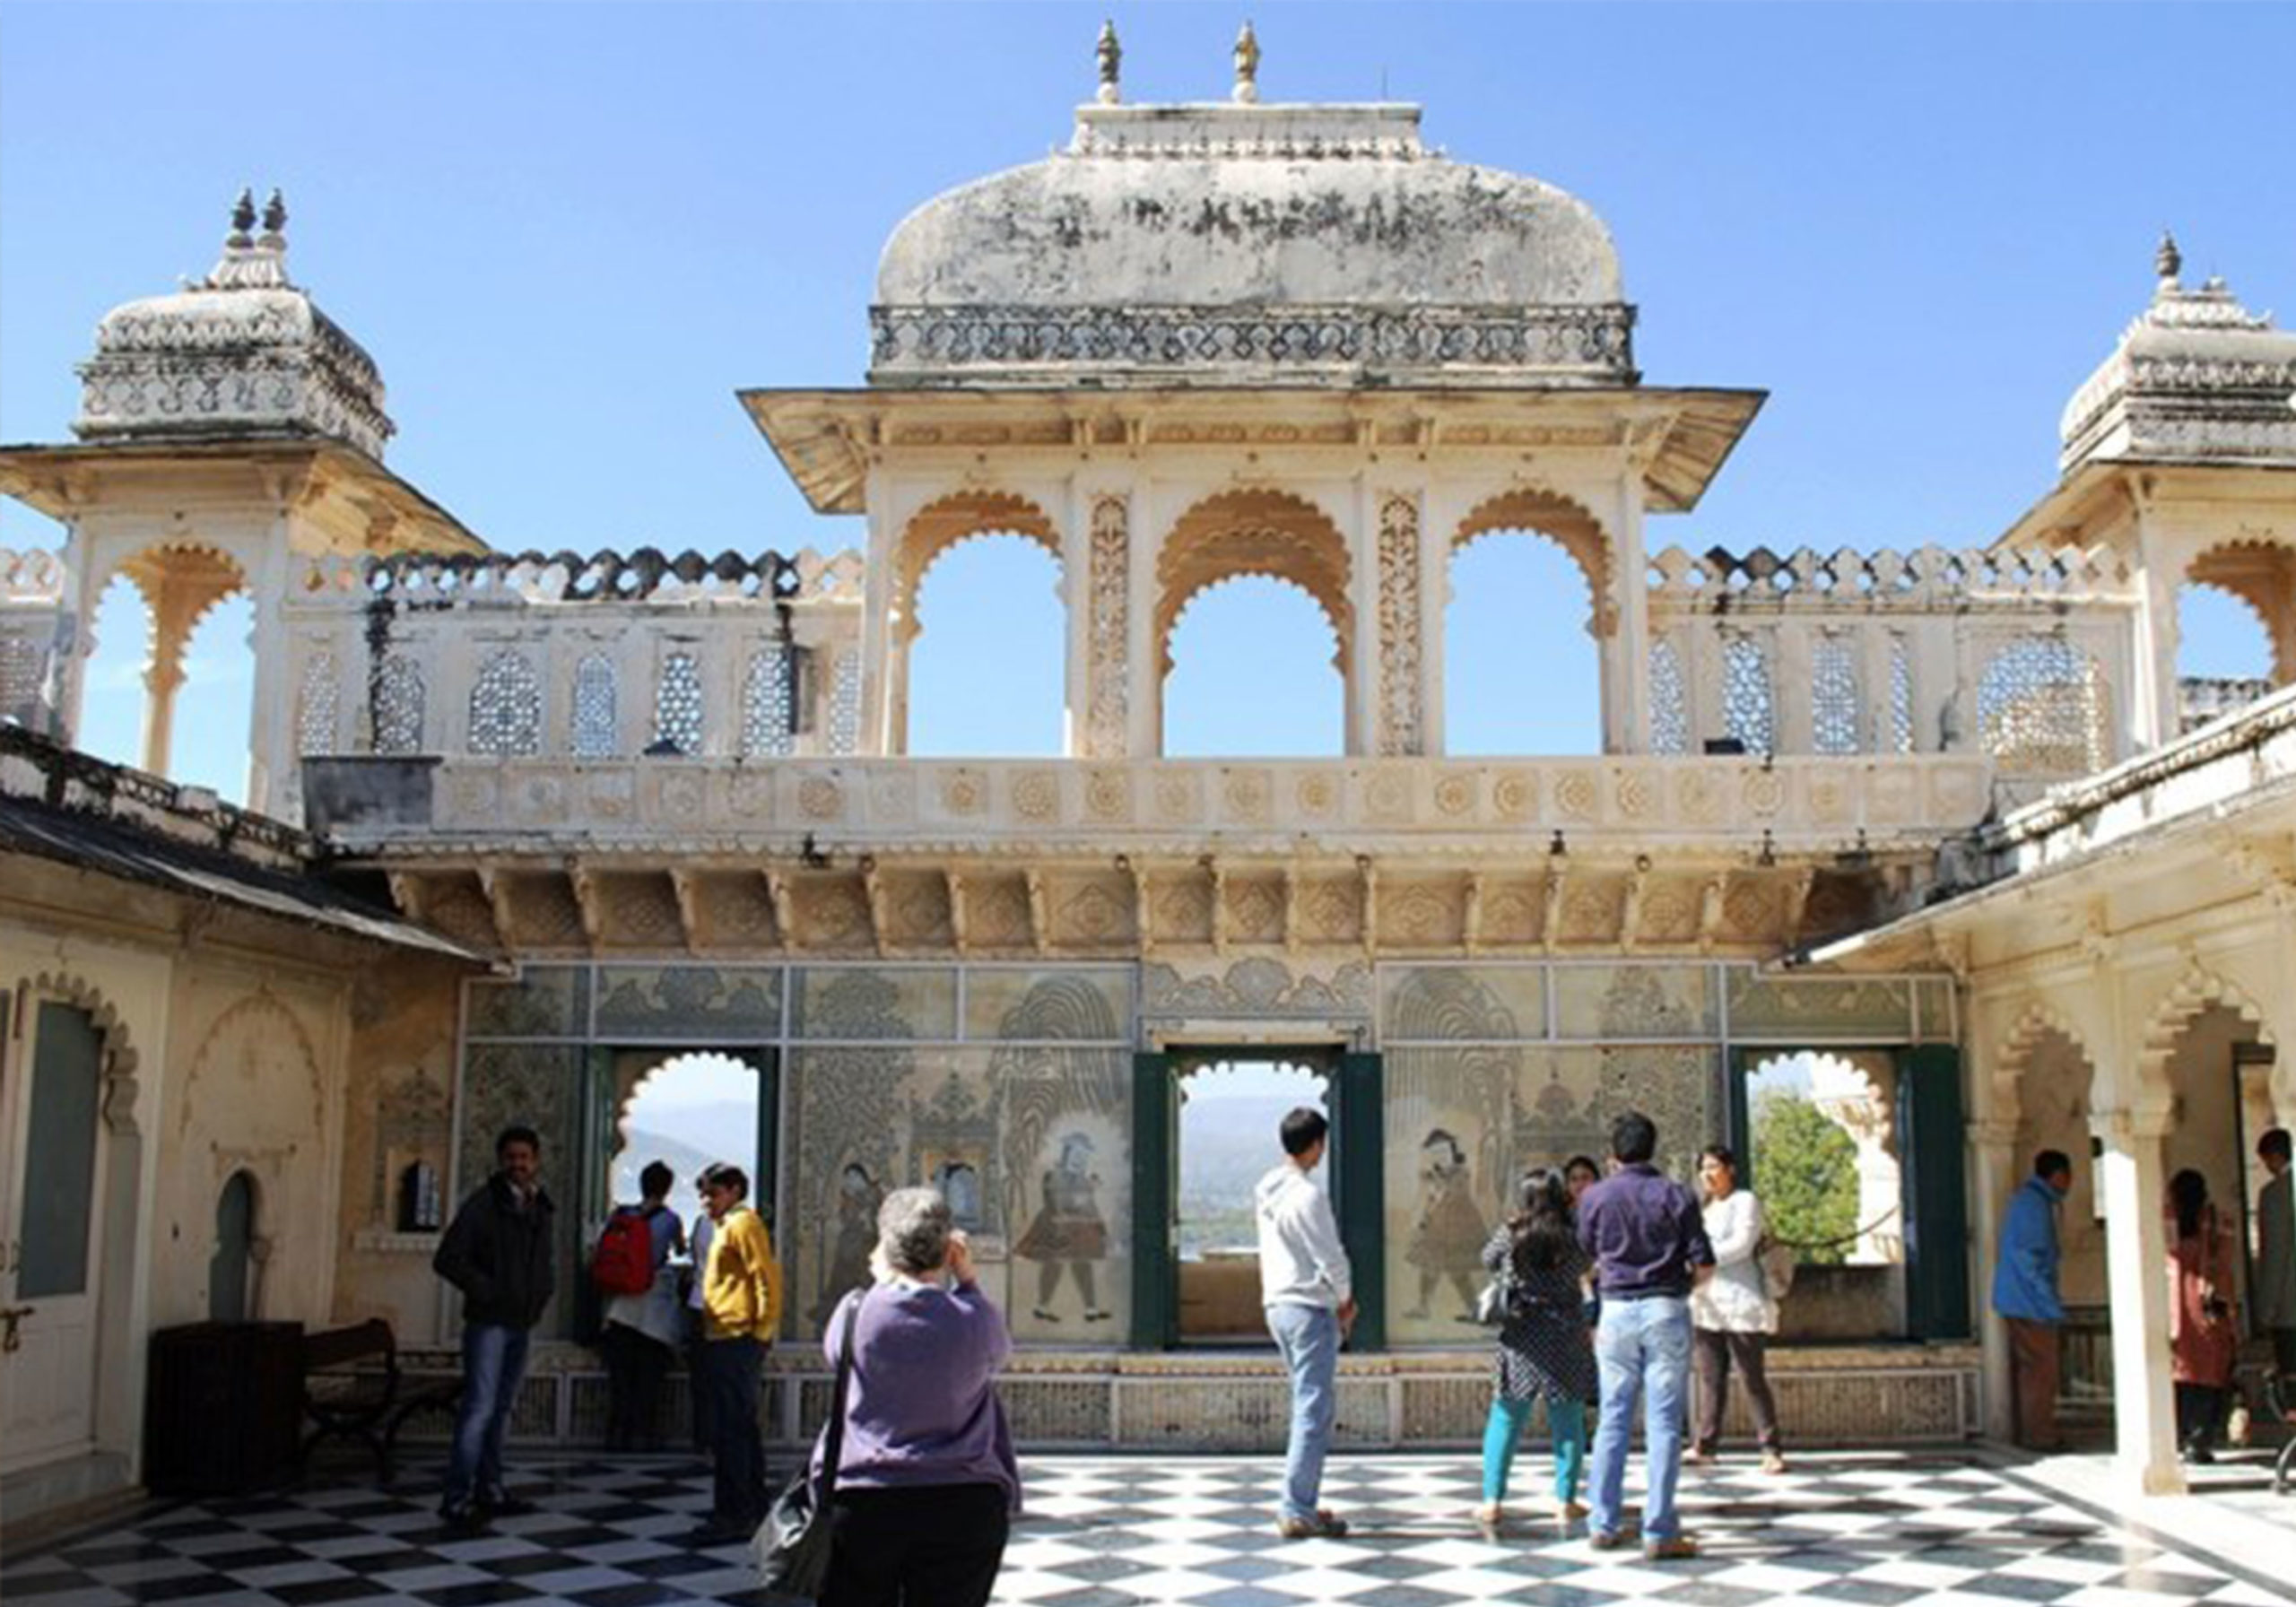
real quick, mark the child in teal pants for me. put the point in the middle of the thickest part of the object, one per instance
(1543, 1352)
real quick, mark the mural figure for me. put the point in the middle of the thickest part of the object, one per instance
(1068, 1231)
(858, 1195)
(1448, 1240)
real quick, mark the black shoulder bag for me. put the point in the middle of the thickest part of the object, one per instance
(793, 1543)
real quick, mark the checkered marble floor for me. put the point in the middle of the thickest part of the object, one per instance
(1884, 1529)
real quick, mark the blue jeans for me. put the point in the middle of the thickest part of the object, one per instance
(1641, 1349)
(1565, 1422)
(1309, 1337)
(494, 1359)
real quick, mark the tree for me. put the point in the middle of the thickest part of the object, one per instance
(1807, 1174)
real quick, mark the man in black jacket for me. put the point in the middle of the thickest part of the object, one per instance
(498, 1252)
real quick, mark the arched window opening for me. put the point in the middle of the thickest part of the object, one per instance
(505, 706)
(2224, 651)
(219, 671)
(769, 702)
(2040, 709)
(1230, 1111)
(688, 1111)
(112, 693)
(986, 667)
(172, 618)
(592, 731)
(1822, 1155)
(399, 705)
(677, 706)
(1252, 670)
(1522, 670)
(233, 1294)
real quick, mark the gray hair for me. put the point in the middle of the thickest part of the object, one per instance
(913, 1230)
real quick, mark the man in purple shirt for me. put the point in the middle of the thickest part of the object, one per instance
(1649, 1244)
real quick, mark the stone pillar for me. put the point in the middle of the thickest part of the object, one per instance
(1391, 660)
(2153, 711)
(1626, 651)
(1993, 1152)
(879, 640)
(1100, 595)
(2130, 1175)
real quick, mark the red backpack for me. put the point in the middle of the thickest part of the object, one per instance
(624, 1262)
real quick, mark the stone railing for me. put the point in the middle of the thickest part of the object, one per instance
(1618, 806)
(2201, 699)
(31, 604)
(2023, 657)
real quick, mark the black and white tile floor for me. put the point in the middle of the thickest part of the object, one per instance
(1880, 1529)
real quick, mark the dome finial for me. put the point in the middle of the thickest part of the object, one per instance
(275, 221)
(1247, 66)
(2168, 261)
(1111, 57)
(242, 220)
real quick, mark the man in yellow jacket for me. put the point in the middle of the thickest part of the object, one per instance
(741, 1306)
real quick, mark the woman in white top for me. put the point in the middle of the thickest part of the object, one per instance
(1732, 1312)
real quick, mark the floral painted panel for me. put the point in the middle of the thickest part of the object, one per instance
(544, 1001)
(1031, 1144)
(1618, 1002)
(1818, 1007)
(864, 1002)
(1084, 1006)
(1456, 1003)
(696, 1002)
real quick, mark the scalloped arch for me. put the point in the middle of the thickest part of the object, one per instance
(1197, 595)
(121, 1058)
(263, 1002)
(1280, 535)
(952, 520)
(1567, 523)
(2261, 576)
(2199, 990)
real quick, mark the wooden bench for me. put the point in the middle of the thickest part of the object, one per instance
(345, 1397)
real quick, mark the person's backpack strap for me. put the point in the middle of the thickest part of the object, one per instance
(833, 1435)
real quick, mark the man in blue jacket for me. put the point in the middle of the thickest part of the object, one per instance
(2024, 1293)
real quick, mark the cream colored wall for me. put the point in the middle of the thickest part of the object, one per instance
(400, 1075)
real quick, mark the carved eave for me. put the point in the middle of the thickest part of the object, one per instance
(351, 503)
(2097, 504)
(1677, 439)
(932, 905)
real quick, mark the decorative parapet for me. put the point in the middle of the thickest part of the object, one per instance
(2201, 699)
(31, 618)
(1925, 579)
(605, 576)
(34, 766)
(968, 343)
(1439, 808)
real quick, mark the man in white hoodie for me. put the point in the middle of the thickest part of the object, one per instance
(1305, 1285)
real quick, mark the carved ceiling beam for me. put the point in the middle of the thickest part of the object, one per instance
(872, 893)
(1039, 911)
(496, 885)
(589, 902)
(1629, 908)
(1797, 899)
(688, 898)
(1710, 911)
(1368, 873)
(784, 909)
(2271, 872)
(1952, 950)
(1550, 910)
(1471, 914)
(1219, 880)
(955, 881)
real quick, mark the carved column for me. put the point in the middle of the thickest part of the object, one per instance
(1993, 1152)
(1108, 602)
(1625, 648)
(1401, 671)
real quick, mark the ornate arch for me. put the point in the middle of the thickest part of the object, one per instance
(1563, 521)
(2261, 574)
(195, 575)
(263, 1003)
(947, 522)
(2039, 1021)
(1274, 534)
(2196, 992)
(120, 1087)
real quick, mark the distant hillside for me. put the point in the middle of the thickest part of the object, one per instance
(689, 1138)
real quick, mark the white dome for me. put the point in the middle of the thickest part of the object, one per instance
(1296, 242)
(242, 352)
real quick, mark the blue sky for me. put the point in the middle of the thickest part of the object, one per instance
(569, 234)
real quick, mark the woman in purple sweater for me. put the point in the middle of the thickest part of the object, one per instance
(926, 1484)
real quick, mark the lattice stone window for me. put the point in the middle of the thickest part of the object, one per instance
(678, 704)
(845, 703)
(592, 733)
(506, 707)
(768, 701)
(2040, 709)
(23, 662)
(1833, 696)
(318, 706)
(398, 706)
(1669, 701)
(1749, 708)
(1900, 696)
